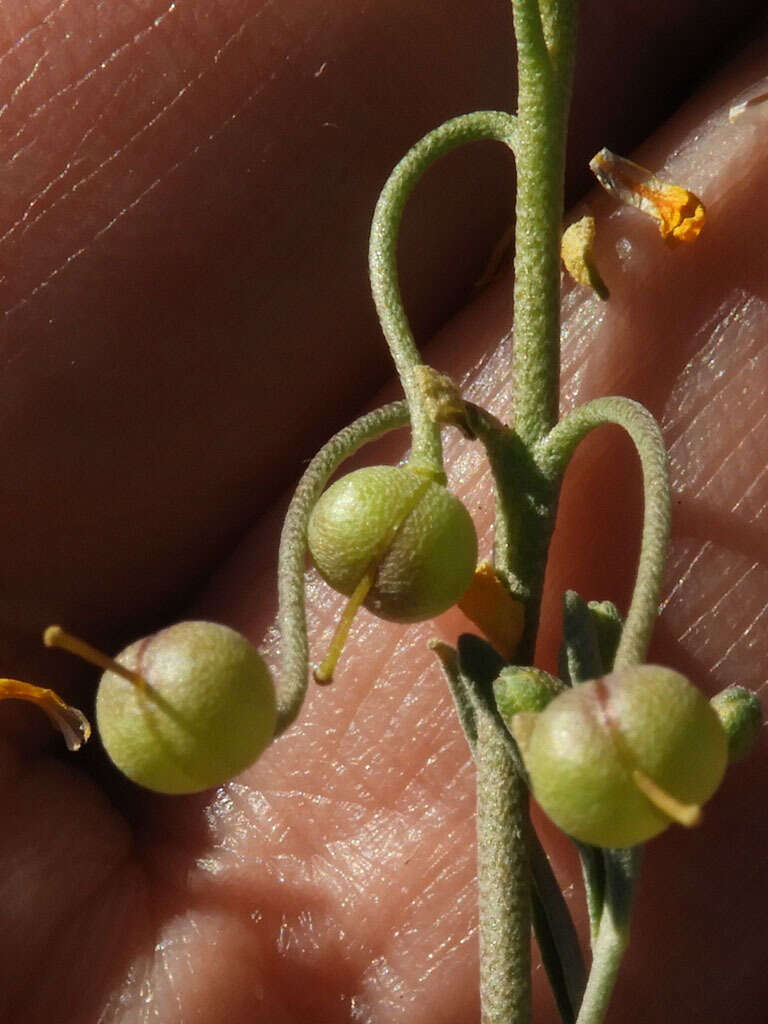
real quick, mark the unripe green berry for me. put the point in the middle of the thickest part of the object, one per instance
(415, 534)
(614, 760)
(205, 712)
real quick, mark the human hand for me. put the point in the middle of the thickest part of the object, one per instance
(334, 881)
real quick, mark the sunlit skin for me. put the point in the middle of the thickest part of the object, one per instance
(141, 383)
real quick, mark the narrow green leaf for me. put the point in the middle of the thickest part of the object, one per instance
(460, 691)
(581, 652)
(556, 935)
(480, 666)
(608, 624)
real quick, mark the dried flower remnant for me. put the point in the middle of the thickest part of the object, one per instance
(71, 723)
(577, 256)
(442, 397)
(680, 213)
(492, 608)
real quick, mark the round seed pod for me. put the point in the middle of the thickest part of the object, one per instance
(414, 535)
(615, 760)
(202, 711)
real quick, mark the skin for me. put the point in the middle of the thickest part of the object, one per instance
(151, 313)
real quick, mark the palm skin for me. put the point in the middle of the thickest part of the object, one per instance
(334, 880)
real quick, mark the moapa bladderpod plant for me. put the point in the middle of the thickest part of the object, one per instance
(614, 750)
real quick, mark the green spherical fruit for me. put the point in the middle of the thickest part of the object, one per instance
(205, 714)
(417, 535)
(591, 752)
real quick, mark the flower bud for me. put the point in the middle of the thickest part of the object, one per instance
(523, 688)
(741, 716)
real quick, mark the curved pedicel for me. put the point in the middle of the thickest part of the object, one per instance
(293, 550)
(382, 260)
(553, 455)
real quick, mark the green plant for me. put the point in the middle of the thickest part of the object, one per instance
(528, 457)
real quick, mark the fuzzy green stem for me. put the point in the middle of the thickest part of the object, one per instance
(503, 882)
(545, 70)
(622, 868)
(471, 675)
(293, 550)
(483, 124)
(608, 951)
(553, 455)
(525, 514)
(526, 501)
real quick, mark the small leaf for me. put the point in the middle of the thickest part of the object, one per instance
(480, 665)
(622, 865)
(741, 716)
(462, 697)
(580, 653)
(556, 934)
(480, 661)
(608, 624)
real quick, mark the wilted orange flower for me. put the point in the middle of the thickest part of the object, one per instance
(492, 608)
(680, 213)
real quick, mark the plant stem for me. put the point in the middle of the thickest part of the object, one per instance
(545, 69)
(482, 124)
(293, 550)
(503, 879)
(553, 455)
(525, 514)
(504, 875)
(607, 953)
(621, 871)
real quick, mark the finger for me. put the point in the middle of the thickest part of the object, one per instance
(373, 789)
(337, 876)
(186, 197)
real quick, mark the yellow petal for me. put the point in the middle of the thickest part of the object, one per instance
(72, 724)
(494, 611)
(680, 213)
